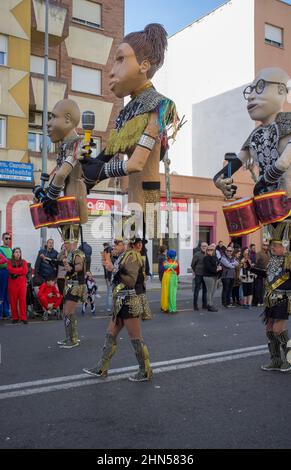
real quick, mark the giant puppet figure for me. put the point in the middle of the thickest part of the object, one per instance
(269, 148)
(67, 176)
(141, 127)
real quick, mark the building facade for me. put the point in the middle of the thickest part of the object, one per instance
(83, 36)
(208, 64)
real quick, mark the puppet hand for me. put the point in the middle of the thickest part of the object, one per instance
(261, 186)
(39, 193)
(225, 185)
(50, 206)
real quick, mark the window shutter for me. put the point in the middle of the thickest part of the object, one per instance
(274, 34)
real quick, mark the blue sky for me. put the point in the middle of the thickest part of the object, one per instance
(173, 14)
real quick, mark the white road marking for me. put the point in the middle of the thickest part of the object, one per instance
(74, 381)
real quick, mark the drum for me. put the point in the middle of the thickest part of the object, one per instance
(67, 213)
(240, 216)
(272, 207)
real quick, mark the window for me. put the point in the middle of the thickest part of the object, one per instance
(37, 65)
(2, 132)
(87, 13)
(35, 142)
(273, 35)
(3, 50)
(86, 80)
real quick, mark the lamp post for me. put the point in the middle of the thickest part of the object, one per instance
(44, 176)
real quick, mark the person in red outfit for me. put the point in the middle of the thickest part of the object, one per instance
(17, 269)
(49, 296)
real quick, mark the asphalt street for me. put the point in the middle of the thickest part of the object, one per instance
(208, 391)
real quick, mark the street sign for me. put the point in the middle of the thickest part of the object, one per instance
(16, 171)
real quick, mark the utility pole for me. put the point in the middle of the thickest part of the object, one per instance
(169, 235)
(44, 176)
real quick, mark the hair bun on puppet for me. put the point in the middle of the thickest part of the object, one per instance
(157, 35)
(150, 44)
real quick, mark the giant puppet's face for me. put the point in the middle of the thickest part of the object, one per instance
(60, 123)
(126, 75)
(266, 95)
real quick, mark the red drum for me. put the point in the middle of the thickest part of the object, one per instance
(67, 213)
(272, 207)
(240, 217)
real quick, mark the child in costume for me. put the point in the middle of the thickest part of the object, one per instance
(91, 292)
(49, 297)
(170, 283)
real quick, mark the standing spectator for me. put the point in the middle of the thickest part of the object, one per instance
(197, 248)
(46, 262)
(210, 275)
(198, 268)
(252, 253)
(247, 278)
(262, 260)
(49, 297)
(107, 255)
(87, 250)
(170, 283)
(161, 259)
(220, 250)
(17, 269)
(236, 298)
(6, 253)
(228, 263)
(61, 275)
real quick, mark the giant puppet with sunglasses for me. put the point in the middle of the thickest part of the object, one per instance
(269, 145)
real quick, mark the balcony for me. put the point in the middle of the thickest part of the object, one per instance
(58, 22)
(56, 92)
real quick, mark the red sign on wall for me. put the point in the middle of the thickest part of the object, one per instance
(102, 206)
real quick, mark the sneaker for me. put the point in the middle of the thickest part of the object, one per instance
(212, 309)
(93, 310)
(69, 345)
(139, 377)
(260, 305)
(96, 372)
(61, 342)
(45, 315)
(196, 309)
(285, 367)
(270, 366)
(25, 322)
(15, 321)
(231, 306)
(205, 307)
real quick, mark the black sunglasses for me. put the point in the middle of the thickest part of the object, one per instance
(259, 87)
(7, 238)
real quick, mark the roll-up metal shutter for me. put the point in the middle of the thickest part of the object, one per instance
(97, 231)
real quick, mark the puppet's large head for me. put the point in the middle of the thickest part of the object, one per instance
(267, 94)
(137, 59)
(64, 119)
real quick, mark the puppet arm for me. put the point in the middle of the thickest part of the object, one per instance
(99, 169)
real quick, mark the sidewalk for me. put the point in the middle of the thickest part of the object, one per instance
(185, 282)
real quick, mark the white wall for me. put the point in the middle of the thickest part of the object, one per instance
(219, 124)
(206, 59)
